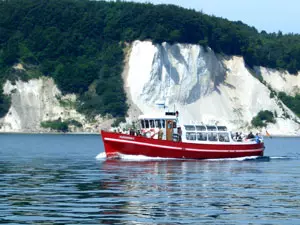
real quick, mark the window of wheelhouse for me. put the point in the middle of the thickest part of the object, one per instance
(142, 123)
(163, 123)
(146, 124)
(157, 124)
(152, 124)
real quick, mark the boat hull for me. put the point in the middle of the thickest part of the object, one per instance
(116, 144)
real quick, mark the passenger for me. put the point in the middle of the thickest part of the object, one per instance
(131, 132)
(257, 138)
(160, 134)
(240, 138)
(179, 131)
(236, 136)
(221, 138)
(250, 136)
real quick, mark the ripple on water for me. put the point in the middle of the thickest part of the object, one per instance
(67, 185)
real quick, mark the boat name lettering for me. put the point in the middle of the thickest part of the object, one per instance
(128, 138)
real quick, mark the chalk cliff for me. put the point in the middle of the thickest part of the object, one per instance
(40, 100)
(205, 87)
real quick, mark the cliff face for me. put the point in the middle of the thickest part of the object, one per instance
(204, 87)
(193, 80)
(39, 100)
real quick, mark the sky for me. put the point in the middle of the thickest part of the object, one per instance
(268, 15)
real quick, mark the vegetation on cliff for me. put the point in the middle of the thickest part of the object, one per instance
(59, 125)
(4, 104)
(263, 118)
(80, 43)
(292, 102)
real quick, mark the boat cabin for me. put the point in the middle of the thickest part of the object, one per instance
(159, 126)
(167, 127)
(203, 133)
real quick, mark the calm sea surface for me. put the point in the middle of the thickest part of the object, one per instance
(65, 179)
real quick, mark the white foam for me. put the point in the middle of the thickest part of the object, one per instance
(101, 155)
(141, 158)
(235, 159)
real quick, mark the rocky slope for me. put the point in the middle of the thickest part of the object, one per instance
(205, 87)
(40, 100)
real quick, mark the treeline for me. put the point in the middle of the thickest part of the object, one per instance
(81, 43)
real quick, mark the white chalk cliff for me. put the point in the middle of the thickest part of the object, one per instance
(36, 101)
(199, 84)
(205, 87)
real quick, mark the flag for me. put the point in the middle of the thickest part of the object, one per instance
(267, 133)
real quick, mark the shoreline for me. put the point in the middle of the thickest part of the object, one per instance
(54, 133)
(98, 133)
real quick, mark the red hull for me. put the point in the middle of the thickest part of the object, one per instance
(116, 143)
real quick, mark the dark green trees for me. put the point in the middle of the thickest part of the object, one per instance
(262, 118)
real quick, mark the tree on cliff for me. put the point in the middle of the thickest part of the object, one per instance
(4, 104)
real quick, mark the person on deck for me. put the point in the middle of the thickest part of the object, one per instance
(257, 138)
(179, 132)
(250, 135)
(160, 134)
(237, 137)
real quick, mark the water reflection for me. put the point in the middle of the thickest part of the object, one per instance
(169, 186)
(74, 188)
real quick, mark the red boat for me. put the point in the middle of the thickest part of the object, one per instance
(162, 136)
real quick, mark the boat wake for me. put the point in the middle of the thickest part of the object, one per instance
(102, 156)
(285, 157)
(247, 158)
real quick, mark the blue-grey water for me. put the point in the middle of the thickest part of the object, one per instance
(57, 179)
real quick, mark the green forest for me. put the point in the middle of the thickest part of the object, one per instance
(81, 44)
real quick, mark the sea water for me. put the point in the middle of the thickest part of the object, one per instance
(66, 179)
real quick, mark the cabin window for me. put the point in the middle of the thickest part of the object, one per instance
(152, 124)
(200, 128)
(157, 124)
(223, 137)
(170, 125)
(189, 128)
(146, 123)
(174, 124)
(163, 123)
(211, 128)
(222, 128)
(213, 136)
(142, 123)
(191, 136)
(202, 136)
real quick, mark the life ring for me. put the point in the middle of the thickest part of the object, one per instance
(149, 133)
